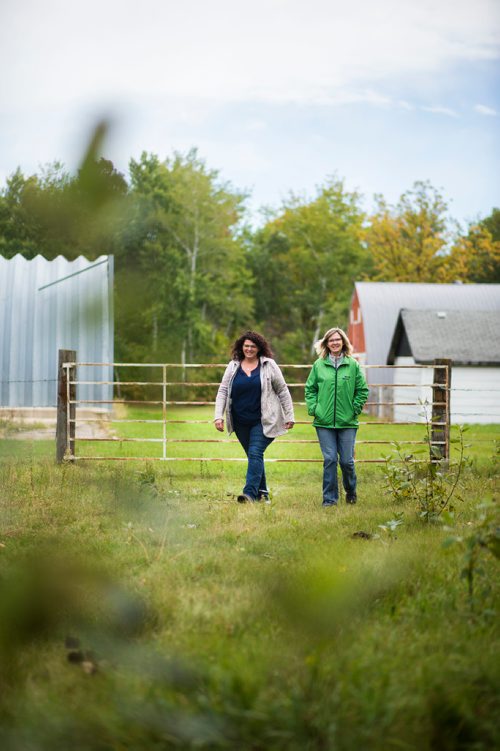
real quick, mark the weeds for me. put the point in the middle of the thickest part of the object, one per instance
(483, 540)
(428, 485)
(12, 426)
(390, 527)
(147, 478)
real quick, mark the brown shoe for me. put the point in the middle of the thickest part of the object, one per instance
(243, 498)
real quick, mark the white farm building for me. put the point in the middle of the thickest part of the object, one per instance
(471, 340)
(415, 323)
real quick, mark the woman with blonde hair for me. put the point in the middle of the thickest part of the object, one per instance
(335, 393)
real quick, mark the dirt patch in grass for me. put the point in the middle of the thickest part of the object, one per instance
(40, 432)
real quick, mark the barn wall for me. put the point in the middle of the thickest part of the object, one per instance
(356, 331)
(475, 393)
(420, 394)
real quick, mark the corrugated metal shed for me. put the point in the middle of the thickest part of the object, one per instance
(50, 305)
(466, 337)
(380, 303)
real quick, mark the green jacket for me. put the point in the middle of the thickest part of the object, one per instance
(335, 396)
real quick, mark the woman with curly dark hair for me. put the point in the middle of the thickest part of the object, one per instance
(258, 407)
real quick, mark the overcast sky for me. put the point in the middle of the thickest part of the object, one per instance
(276, 94)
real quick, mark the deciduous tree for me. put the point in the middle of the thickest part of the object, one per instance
(475, 257)
(305, 260)
(55, 214)
(190, 251)
(410, 242)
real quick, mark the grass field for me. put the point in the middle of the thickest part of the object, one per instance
(143, 608)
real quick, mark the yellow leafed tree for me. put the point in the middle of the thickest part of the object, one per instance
(410, 242)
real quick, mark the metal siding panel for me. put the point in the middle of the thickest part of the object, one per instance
(37, 321)
(6, 273)
(475, 395)
(109, 344)
(421, 395)
(19, 323)
(29, 284)
(41, 344)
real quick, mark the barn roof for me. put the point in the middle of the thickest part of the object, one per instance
(381, 302)
(467, 337)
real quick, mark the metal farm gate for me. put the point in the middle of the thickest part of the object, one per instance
(72, 377)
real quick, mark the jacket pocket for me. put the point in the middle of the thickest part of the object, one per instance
(318, 412)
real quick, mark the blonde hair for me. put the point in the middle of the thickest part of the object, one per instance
(321, 346)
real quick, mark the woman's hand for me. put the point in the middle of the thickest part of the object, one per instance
(219, 424)
(289, 425)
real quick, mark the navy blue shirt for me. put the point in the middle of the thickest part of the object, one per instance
(245, 397)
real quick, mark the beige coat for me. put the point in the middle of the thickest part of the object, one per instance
(275, 402)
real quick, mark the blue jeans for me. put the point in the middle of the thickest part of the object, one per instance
(337, 443)
(254, 443)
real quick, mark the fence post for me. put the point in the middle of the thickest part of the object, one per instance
(441, 410)
(66, 392)
(387, 408)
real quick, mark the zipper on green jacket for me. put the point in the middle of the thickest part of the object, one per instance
(335, 397)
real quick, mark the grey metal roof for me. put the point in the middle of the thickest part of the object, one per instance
(469, 337)
(381, 302)
(50, 305)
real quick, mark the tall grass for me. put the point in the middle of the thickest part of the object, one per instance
(143, 608)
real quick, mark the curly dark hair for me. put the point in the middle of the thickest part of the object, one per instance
(258, 339)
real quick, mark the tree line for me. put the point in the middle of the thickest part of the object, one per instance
(191, 273)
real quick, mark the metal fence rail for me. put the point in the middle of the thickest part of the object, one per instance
(67, 419)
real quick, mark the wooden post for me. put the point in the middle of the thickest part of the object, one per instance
(440, 433)
(66, 393)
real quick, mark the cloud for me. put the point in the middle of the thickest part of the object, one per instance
(255, 124)
(275, 93)
(230, 50)
(404, 105)
(441, 111)
(483, 110)
(356, 96)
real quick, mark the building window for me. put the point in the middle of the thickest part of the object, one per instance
(355, 315)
